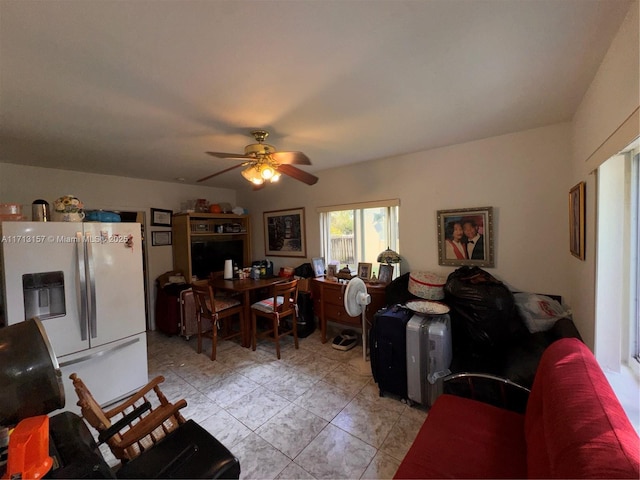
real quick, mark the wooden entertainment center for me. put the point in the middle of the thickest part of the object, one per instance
(202, 241)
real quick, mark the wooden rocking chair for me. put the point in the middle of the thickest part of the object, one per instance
(135, 425)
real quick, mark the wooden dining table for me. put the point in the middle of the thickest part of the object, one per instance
(245, 287)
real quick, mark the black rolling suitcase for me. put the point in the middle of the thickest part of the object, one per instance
(388, 347)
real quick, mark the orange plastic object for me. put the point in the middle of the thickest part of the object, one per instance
(215, 208)
(29, 449)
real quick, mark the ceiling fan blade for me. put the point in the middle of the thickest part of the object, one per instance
(298, 174)
(238, 156)
(291, 158)
(220, 172)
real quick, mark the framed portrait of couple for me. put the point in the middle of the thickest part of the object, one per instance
(465, 237)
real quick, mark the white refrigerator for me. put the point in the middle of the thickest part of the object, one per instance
(85, 283)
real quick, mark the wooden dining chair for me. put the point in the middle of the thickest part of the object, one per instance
(136, 424)
(282, 303)
(215, 313)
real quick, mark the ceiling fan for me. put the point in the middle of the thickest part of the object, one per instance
(264, 163)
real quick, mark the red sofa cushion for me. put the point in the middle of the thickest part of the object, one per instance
(463, 438)
(574, 426)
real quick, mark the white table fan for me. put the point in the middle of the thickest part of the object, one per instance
(356, 300)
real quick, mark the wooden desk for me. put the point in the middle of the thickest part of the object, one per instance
(328, 304)
(245, 287)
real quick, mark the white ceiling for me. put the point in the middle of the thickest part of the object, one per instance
(142, 88)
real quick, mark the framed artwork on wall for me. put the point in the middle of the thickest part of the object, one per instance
(465, 237)
(284, 234)
(576, 220)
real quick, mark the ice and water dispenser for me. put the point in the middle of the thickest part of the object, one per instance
(43, 295)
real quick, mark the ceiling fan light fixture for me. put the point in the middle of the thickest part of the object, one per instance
(262, 162)
(258, 150)
(267, 171)
(252, 174)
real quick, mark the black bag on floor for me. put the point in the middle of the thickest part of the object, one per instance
(483, 311)
(305, 271)
(306, 321)
(388, 347)
(74, 450)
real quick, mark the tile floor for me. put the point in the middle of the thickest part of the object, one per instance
(308, 415)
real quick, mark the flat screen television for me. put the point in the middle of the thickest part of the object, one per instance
(209, 255)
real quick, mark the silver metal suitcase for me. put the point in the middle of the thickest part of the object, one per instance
(429, 354)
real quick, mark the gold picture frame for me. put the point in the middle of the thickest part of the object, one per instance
(576, 220)
(364, 270)
(455, 247)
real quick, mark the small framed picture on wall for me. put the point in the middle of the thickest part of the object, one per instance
(160, 238)
(160, 217)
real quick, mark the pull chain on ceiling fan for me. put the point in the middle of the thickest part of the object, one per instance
(264, 163)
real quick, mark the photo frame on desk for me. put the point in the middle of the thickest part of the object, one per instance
(364, 271)
(385, 273)
(318, 266)
(161, 218)
(332, 271)
(160, 238)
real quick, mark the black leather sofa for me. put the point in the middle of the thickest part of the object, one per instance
(187, 452)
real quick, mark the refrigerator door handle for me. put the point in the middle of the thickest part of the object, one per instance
(91, 278)
(82, 280)
(99, 353)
